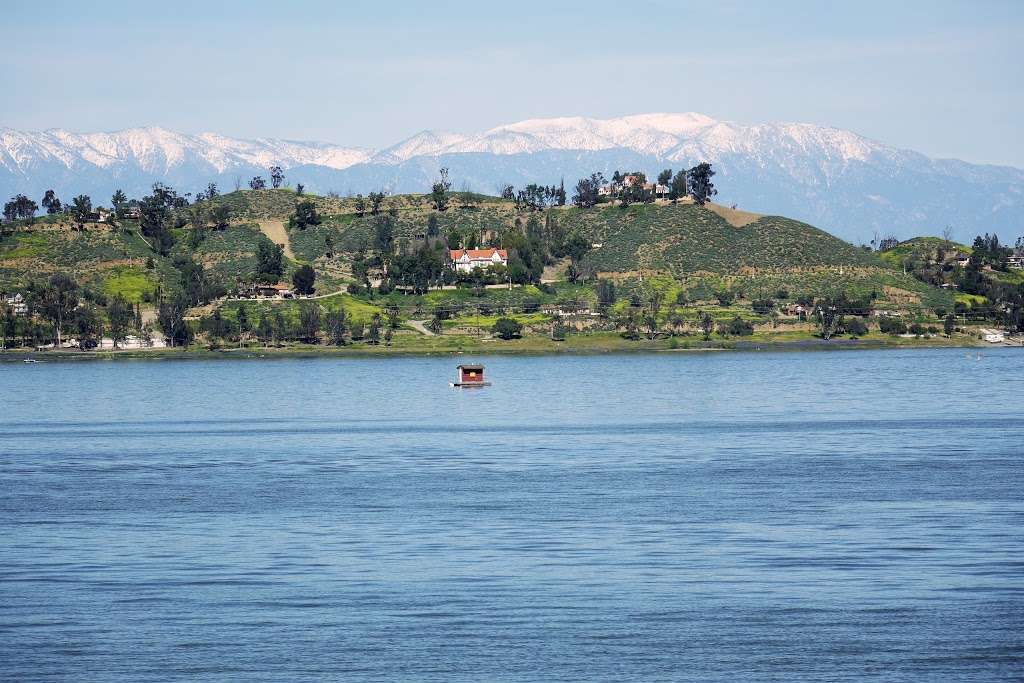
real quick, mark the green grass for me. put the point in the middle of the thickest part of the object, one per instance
(127, 281)
(23, 245)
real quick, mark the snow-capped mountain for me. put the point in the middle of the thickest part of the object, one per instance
(832, 178)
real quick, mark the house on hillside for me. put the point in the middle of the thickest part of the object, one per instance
(17, 304)
(259, 290)
(468, 260)
(1016, 260)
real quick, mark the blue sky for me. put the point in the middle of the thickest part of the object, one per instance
(944, 78)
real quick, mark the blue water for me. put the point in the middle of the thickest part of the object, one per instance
(690, 517)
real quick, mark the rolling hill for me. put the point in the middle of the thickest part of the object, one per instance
(687, 243)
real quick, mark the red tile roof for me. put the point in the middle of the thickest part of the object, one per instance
(456, 254)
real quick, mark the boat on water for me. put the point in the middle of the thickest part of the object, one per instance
(470, 376)
(30, 360)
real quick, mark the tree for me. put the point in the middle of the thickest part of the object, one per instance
(376, 199)
(384, 235)
(605, 295)
(87, 327)
(699, 180)
(215, 326)
(304, 216)
(373, 333)
(588, 191)
(678, 187)
(576, 247)
(155, 215)
(507, 328)
(211, 190)
(264, 328)
(433, 230)
(665, 177)
(706, 323)
(303, 280)
(119, 318)
(299, 189)
(336, 326)
(51, 203)
(949, 324)
(58, 301)
(827, 315)
(20, 206)
(81, 207)
(309, 322)
(117, 202)
(242, 319)
(439, 191)
(257, 183)
(269, 261)
(360, 205)
(436, 325)
(276, 177)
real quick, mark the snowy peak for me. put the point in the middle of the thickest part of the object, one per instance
(424, 143)
(671, 137)
(158, 150)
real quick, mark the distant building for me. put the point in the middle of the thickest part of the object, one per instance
(17, 303)
(994, 337)
(1016, 261)
(259, 290)
(468, 260)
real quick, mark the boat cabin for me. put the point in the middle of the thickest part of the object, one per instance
(471, 376)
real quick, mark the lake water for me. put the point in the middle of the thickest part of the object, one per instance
(691, 517)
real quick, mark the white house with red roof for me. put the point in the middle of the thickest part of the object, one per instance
(467, 260)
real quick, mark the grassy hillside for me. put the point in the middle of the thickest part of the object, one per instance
(685, 238)
(699, 248)
(925, 247)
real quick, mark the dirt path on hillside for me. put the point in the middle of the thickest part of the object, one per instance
(275, 230)
(420, 326)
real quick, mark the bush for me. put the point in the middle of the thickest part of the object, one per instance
(917, 329)
(739, 327)
(893, 326)
(725, 297)
(507, 328)
(855, 327)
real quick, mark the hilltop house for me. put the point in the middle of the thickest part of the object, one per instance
(468, 260)
(1016, 260)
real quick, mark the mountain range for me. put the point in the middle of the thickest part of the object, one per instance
(843, 182)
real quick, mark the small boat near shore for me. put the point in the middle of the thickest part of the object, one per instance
(470, 376)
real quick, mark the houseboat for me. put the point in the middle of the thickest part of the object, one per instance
(470, 376)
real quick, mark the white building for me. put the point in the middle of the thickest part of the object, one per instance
(468, 260)
(17, 303)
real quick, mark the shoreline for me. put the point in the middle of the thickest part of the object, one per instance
(381, 351)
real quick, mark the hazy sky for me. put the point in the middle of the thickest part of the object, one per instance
(944, 78)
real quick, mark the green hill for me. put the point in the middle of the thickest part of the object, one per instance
(925, 247)
(703, 246)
